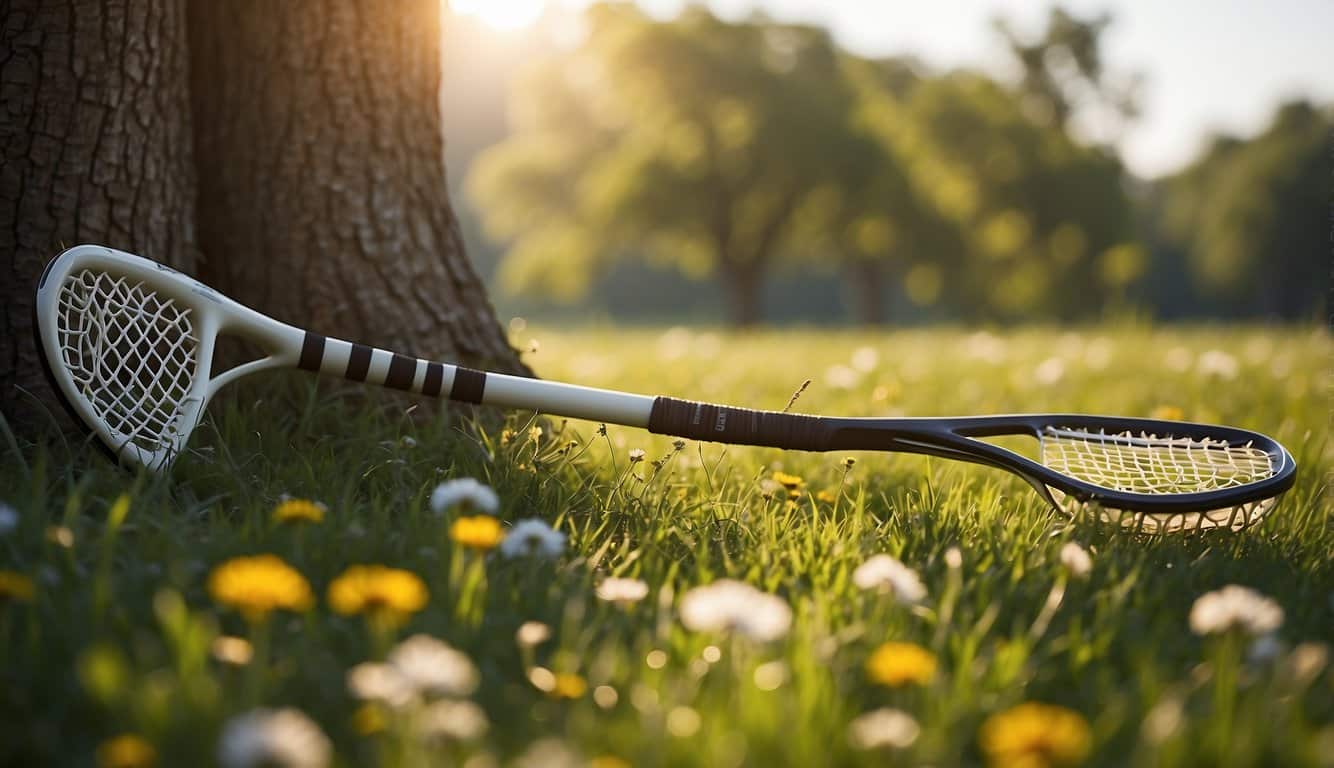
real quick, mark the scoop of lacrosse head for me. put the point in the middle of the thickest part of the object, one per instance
(1177, 477)
(128, 344)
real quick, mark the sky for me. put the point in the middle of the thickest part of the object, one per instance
(1208, 65)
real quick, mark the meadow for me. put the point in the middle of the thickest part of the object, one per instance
(137, 625)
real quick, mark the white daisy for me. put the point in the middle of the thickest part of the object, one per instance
(1076, 560)
(728, 605)
(285, 738)
(533, 537)
(636, 455)
(532, 633)
(9, 519)
(464, 492)
(883, 727)
(452, 719)
(372, 681)
(615, 590)
(887, 574)
(1235, 607)
(434, 667)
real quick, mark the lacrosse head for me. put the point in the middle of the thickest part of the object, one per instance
(128, 344)
(1206, 476)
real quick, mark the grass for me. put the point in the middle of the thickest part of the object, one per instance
(120, 634)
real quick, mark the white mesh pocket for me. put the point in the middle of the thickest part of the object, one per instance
(130, 352)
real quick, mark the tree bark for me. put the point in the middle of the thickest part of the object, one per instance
(322, 196)
(867, 281)
(94, 147)
(744, 283)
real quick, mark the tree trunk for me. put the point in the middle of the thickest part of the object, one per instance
(94, 147)
(868, 285)
(322, 196)
(744, 287)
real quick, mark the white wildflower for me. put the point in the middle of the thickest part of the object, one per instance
(954, 558)
(1235, 607)
(372, 681)
(9, 519)
(1218, 363)
(865, 359)
(532, 633)
(1076, 560)
(452, 719)
(883, 728)
(285, 738)
(886, 574)
(532, 537)
(616, 590)
(434, 667)
(636, 455)
(728, 605)
(464, 492)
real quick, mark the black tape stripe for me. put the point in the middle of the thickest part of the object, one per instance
(312, 352)
(435, 377)
(468, 385)
(402, 370)
(358, 362)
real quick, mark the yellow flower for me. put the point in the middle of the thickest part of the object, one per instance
(568, 686)
(479, 532)
(897, 664)
(790, 482)
(15, 586)
(126, 751)
(299, 511)
(385, 594)
(827, 496)
(1034, 735)
(257, 585)
(1167, 413)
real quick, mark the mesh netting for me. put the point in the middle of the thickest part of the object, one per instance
(1156, 465)
(130, 352)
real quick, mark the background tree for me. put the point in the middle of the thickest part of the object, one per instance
(94, 147)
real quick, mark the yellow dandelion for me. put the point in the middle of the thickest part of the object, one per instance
(299, 511)
(127, 750)
(1167, 413)
(898, 664)
(790, 482)
(387, 595)
(15, 587)
(827, 496)
(1035, 735)
(258, 585)
(479, 532)
(369, 719)
(568, 685)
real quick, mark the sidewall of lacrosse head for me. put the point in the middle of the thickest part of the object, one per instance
(129, 346)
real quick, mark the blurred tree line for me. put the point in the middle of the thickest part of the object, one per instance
(734, 152)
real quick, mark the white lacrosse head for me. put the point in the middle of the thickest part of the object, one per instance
(129, 346)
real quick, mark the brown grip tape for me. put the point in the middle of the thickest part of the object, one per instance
(738, 426)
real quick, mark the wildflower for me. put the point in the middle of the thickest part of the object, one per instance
(1167, 413)
(532, 633)
(953, 558)
(454, 720)
(284, 738)
(826, 496)
(299, 511)
(568, 685)
(481, 532)
(384, 683)
(387, 595)
(626, 591)
(467, 494)
(127, 750)
(1234, 607)
(848, 462)
(258, 585)
(883, 727)
(790, 482)
(534, 433)
(533, 537)
(1034, 734)
(9, 519)
(899, 664)
(432, 666)
(15, 587)
(636, 455)
(236, 651)
(887, 574)
(1076, 560)
(728, 605)
(506, 435)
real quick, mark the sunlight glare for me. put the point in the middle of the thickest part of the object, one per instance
(500, 14)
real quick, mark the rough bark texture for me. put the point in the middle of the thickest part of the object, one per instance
(94, 147)
(322, 196)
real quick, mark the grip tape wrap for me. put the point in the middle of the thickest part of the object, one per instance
(738, 426)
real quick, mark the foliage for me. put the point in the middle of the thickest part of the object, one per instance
(120, 643)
